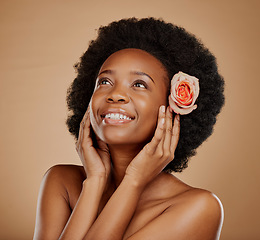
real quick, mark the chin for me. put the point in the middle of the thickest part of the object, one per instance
(117, 137)
(122, 138)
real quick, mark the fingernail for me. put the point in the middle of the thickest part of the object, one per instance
(178, 117)
(163, 121)
(163, 108)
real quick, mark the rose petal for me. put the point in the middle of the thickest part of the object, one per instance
(178, 110)
(178, 103)
(184, 94)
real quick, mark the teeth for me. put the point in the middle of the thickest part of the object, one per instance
(117, 116)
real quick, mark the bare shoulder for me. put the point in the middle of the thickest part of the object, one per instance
(58, 179)
(59, 191)
(201, 210)
(62, 170)
(202, 201)
(64, 176)
(65, 180)
(185, 212)
(198, 204)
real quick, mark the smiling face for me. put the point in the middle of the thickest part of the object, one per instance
(130, 87)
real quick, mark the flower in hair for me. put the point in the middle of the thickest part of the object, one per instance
(184, 93)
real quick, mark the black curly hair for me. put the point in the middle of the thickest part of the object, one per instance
(177, 50)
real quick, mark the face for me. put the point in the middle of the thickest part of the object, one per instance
(130, 87)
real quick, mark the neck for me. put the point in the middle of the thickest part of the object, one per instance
(121, 156)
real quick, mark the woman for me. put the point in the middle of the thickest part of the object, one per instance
(146, 96)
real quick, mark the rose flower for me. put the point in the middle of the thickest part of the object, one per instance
(184, 92)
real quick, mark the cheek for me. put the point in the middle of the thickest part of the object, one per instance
(93, 121)
(149, 107)
(148, 116)
(94, 104)
(93, 118)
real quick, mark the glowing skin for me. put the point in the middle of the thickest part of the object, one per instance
(121, 192)
(130, 88)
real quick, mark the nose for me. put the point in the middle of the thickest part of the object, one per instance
(118, 95)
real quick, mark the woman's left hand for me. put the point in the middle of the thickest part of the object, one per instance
(155, 155)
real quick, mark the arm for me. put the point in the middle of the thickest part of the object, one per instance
(115, 217)
(54, 218)
(96, 163)
(117, 214)
(53, 209)
(86, 209)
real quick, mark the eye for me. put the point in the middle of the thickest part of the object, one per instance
(103, 81)
(140, 84)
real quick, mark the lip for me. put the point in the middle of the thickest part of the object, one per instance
(117, 110)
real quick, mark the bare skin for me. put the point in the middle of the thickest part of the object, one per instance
(120, 192)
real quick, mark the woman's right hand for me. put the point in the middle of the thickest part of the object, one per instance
(96, 162)
(159, 152)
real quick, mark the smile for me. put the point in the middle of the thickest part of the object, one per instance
(117, 116)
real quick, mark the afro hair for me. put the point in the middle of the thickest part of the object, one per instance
(177, 50)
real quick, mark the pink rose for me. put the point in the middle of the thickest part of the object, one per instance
(184, 92)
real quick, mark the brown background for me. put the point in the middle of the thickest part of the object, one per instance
(41, 40)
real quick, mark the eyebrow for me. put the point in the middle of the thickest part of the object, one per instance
(132, 72)
(142, 74)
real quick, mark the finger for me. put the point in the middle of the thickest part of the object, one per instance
(168, 131)
(79, 140)
(175, 133)
(85, 116)
(159, 132)
(80, 136)
(81, 128)
(86, 133)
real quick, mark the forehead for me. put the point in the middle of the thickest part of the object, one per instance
(132, 59)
